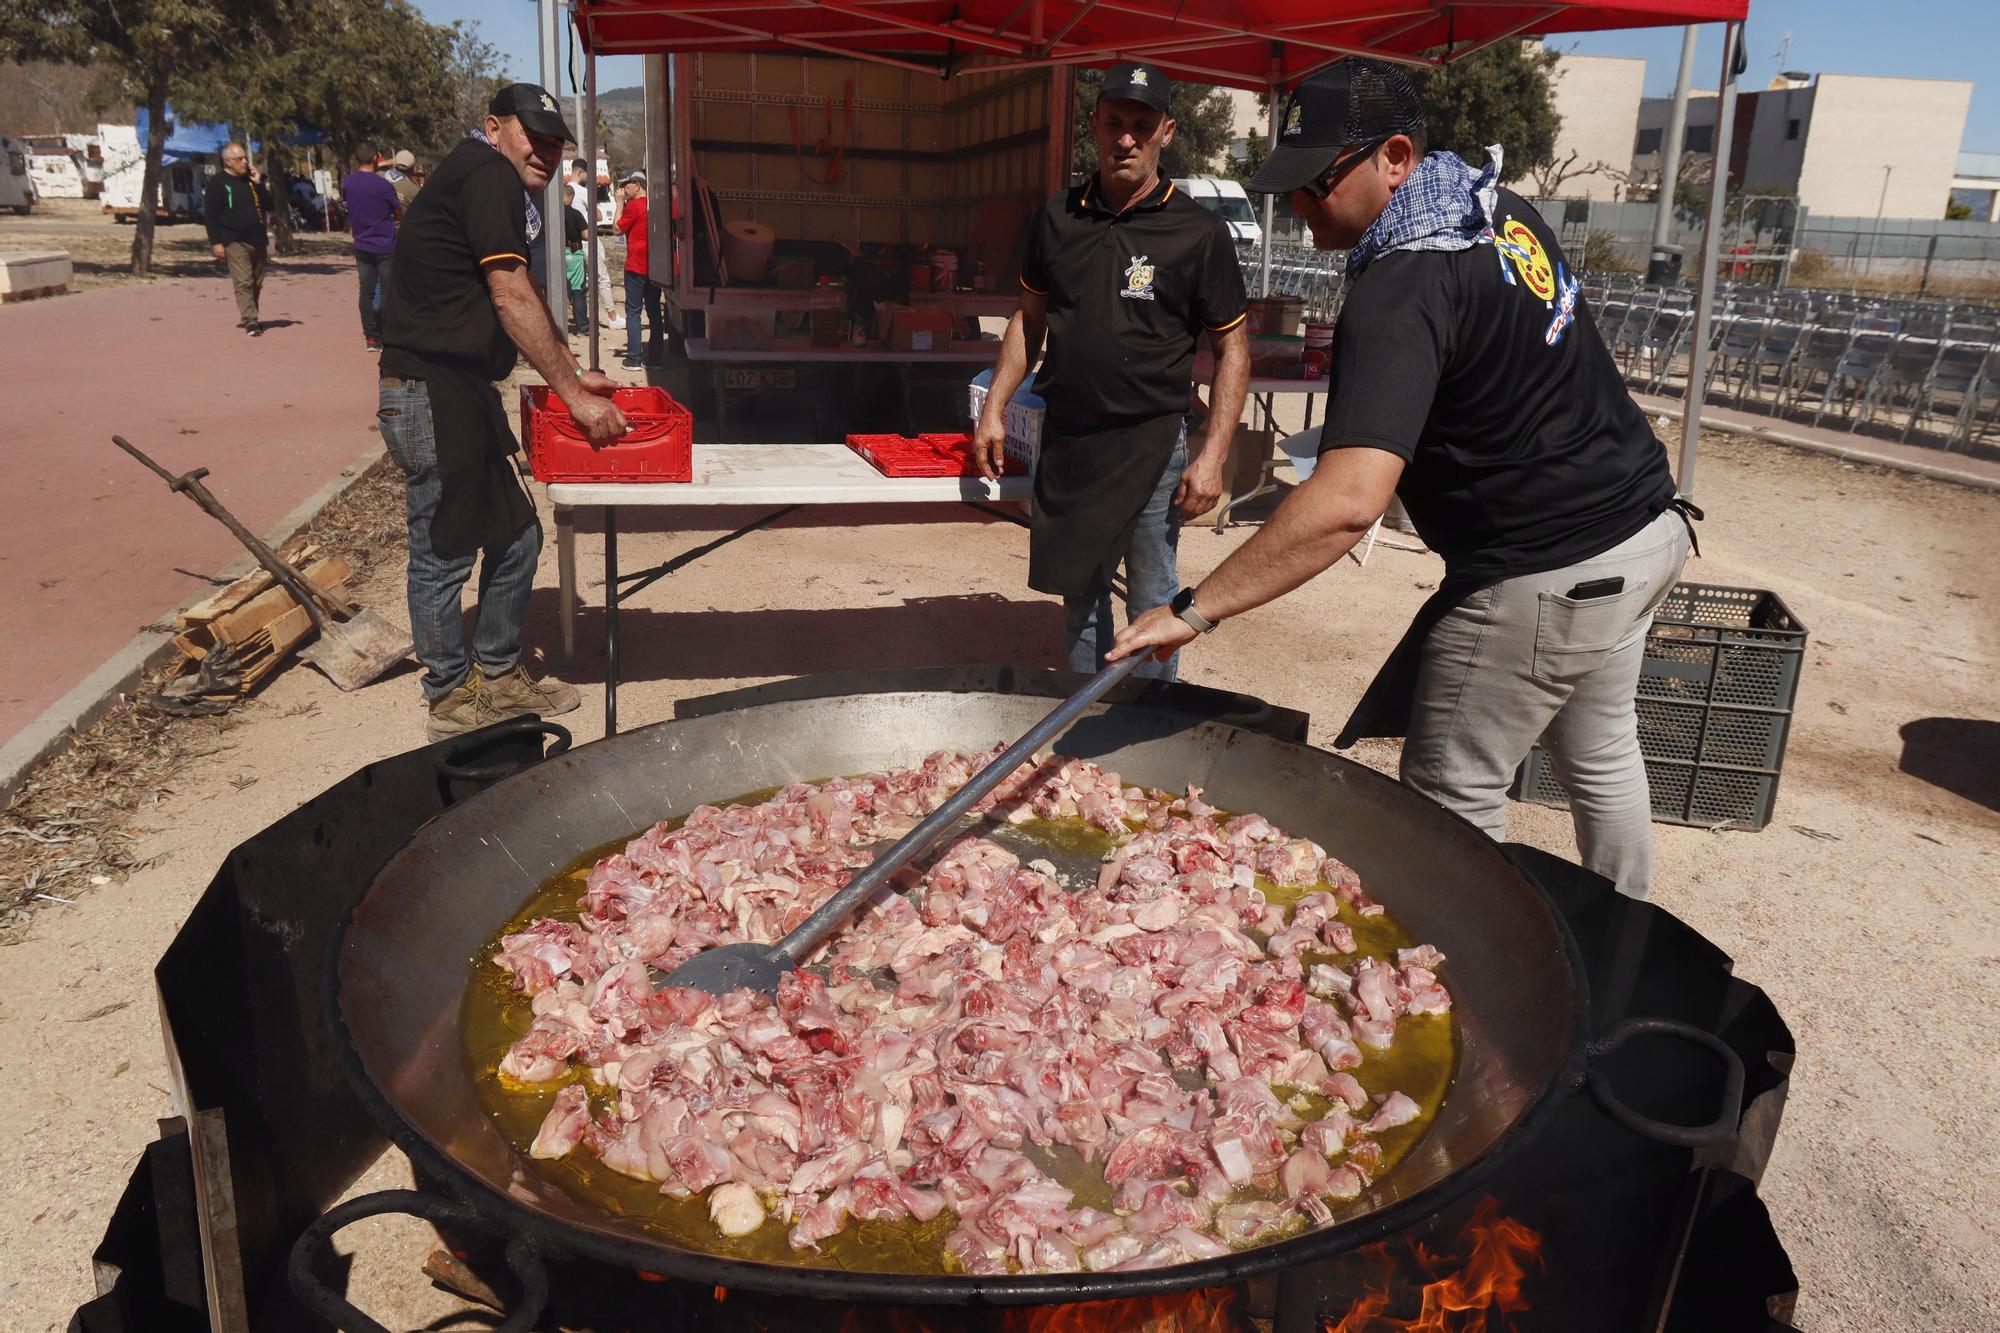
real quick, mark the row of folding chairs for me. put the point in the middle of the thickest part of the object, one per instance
(1928, 364)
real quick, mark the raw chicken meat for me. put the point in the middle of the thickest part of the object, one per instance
(947, 1040)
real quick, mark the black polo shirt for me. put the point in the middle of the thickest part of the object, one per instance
(1482, 370)
(437, 307)
(1128, 295)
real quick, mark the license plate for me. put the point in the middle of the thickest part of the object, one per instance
(757, 378)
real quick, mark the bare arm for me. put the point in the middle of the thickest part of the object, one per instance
(526, 318)
(1020, 347)
(1201, 486)
(1315, 526)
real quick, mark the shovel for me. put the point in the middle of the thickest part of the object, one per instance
(352, 651)
(758, 967)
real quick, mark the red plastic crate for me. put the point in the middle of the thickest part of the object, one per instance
(935, 455)
(659, 446)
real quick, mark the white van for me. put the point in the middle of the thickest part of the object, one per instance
(1229, 199)
(17, 190)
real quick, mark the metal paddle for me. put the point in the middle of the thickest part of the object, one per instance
(351, 652)
(759, 966)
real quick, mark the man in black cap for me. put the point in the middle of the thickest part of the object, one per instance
(1123, 275)
(1469, 380)
(460, 306)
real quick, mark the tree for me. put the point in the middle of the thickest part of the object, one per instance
(1549, 176)
(1957, 211)
(1203, 122)
(143, 46)
(1499, 95)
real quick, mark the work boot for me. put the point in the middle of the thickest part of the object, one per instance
(465, 709)
(516, 692)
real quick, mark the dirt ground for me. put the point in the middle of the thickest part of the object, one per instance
(1865, 909)
(100, 249)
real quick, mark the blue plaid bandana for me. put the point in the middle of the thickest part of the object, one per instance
(534, 214)
(1444, 205)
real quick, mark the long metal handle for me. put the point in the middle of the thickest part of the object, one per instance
(298, 585)
(815, 928)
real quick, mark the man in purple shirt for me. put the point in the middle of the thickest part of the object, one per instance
(373, 210)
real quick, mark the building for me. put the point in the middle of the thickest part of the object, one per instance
(1821, 138)
(1977, 185)
(1598, 98)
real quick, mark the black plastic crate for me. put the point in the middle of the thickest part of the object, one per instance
(1715, 708)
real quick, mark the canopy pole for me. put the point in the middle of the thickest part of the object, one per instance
(594, 257)
(1270, 200)
(555, 285)
(1704, 304)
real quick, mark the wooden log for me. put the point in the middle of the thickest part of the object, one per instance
(299, 551)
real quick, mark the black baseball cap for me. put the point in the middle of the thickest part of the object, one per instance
(1356, 101)
(1132, 82)
(534, 107)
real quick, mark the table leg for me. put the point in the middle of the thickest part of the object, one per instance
(566, 579)
(610, 620)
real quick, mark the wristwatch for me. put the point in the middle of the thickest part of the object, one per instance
(1183, 606)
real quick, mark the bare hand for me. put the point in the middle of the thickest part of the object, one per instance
(989, 446)
(602, 423)
(597, 382)
(220, 252)
(1200, 488)
(1159, 630)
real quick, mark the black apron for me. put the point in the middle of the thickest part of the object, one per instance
(481, 504)
(1384, 709)
(1089, 491)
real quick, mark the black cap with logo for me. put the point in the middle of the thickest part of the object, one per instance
(1132, 82)
(1355, 102)
(536, 110)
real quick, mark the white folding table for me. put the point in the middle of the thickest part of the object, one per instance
(779, 478)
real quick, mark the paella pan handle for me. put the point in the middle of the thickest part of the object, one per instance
(454, 768)
(523, 1258)
(1720, 1130)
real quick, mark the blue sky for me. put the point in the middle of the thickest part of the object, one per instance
(1929, 39)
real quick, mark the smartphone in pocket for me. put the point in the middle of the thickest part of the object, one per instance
(1590, 588)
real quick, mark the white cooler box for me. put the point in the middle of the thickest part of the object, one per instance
(1023, 418)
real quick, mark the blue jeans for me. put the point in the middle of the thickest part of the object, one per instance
(373, 270)
(437, 582)
(640, 291)
(1152, 577)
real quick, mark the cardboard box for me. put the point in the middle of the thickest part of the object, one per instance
(919, 330)
(1248, 452)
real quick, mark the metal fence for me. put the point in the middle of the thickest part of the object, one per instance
(1772, 240)
(1314, 276)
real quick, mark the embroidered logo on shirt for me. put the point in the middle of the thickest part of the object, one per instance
(1518, 244)
(1568, 285)
(1293, 124)
(1139, 280)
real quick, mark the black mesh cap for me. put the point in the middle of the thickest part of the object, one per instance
(1132, 82)
(1355, 102)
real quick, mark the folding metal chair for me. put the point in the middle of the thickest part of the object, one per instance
(1901, 380)
(1738, 344)
(1859, 368)
(1820, 353)
(1960, 366)
(1779, 345)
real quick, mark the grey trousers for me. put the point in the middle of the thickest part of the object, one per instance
(1521, 660)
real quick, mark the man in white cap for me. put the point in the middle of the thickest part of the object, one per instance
(1469, 380)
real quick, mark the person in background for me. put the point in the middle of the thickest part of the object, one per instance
(373, 210)
(235, 208)
(583, 197)
(1470, 380)
(577, 269)
(402, 174)
(640, 289)
(1123, 275)
(461, 311)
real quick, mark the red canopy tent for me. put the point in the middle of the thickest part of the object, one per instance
(1265, 45)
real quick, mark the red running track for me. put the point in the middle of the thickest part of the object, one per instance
(89, 539)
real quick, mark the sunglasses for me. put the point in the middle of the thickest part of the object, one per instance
(1330, 180)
